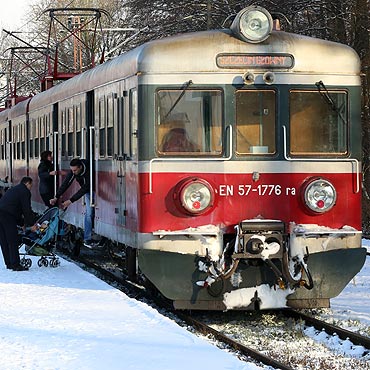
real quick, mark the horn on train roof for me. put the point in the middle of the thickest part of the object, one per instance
(252, 24)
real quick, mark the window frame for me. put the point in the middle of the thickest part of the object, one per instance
(221, 113)
(346, 139)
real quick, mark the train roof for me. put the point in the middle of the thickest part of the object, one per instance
(4, 115)
(19, 109)
(196, 52)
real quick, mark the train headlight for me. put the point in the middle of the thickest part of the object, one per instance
(252, 24)
(320, 195)
(196, 196)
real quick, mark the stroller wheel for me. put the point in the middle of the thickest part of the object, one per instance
(23, 261)
(28, 262)
(54, 262)
(43, 262)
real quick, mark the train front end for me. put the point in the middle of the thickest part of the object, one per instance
(250, 187)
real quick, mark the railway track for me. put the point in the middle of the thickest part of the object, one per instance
(329, 328)
(116, 277)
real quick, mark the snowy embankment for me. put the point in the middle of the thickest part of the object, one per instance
(65, 318)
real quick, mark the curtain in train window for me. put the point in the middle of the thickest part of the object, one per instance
(255, 122)
(318, 122)
(189, 122)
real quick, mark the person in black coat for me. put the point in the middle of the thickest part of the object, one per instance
(46, 177)
(81, 173)
(15, 204)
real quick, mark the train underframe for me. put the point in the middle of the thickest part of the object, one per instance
(261, 266)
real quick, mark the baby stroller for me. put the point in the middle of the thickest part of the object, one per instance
(41, 242)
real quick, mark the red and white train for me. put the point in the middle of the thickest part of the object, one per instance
(227, 163)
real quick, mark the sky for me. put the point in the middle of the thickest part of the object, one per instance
(65, 318)
(12, 13)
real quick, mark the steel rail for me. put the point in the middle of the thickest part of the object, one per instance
(329, 328)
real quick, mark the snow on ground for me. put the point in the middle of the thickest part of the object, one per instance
(354, 302)
(65, 318)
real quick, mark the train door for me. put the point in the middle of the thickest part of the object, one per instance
(120, 158)
(131, 143)
(88, 143)
(53, 143)
(109, 156)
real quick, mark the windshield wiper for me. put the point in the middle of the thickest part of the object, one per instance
(326, 95)
(184, 88)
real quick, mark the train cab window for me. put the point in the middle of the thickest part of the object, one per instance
(255, 122)
(318, 126)
(189, 122)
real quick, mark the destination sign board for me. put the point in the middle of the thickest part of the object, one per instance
(271, 61)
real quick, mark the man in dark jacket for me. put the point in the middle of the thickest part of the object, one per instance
(15, 204)
(79, 172)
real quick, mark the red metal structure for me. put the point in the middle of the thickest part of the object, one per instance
(72, 46)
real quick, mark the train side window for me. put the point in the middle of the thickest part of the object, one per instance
(42, 133)
(255, 122)
(2, 144)
(23, 140)
(78, 130)
(121, 134)
(32, 133)
(133, 122)
(71, 125)
(47, 131)
(315, 127)
(189, 122)
(37, 138)
(110, 125)
(15, 140)
(64, 132)
(102, 120)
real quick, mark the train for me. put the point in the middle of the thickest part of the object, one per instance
(226, 163)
